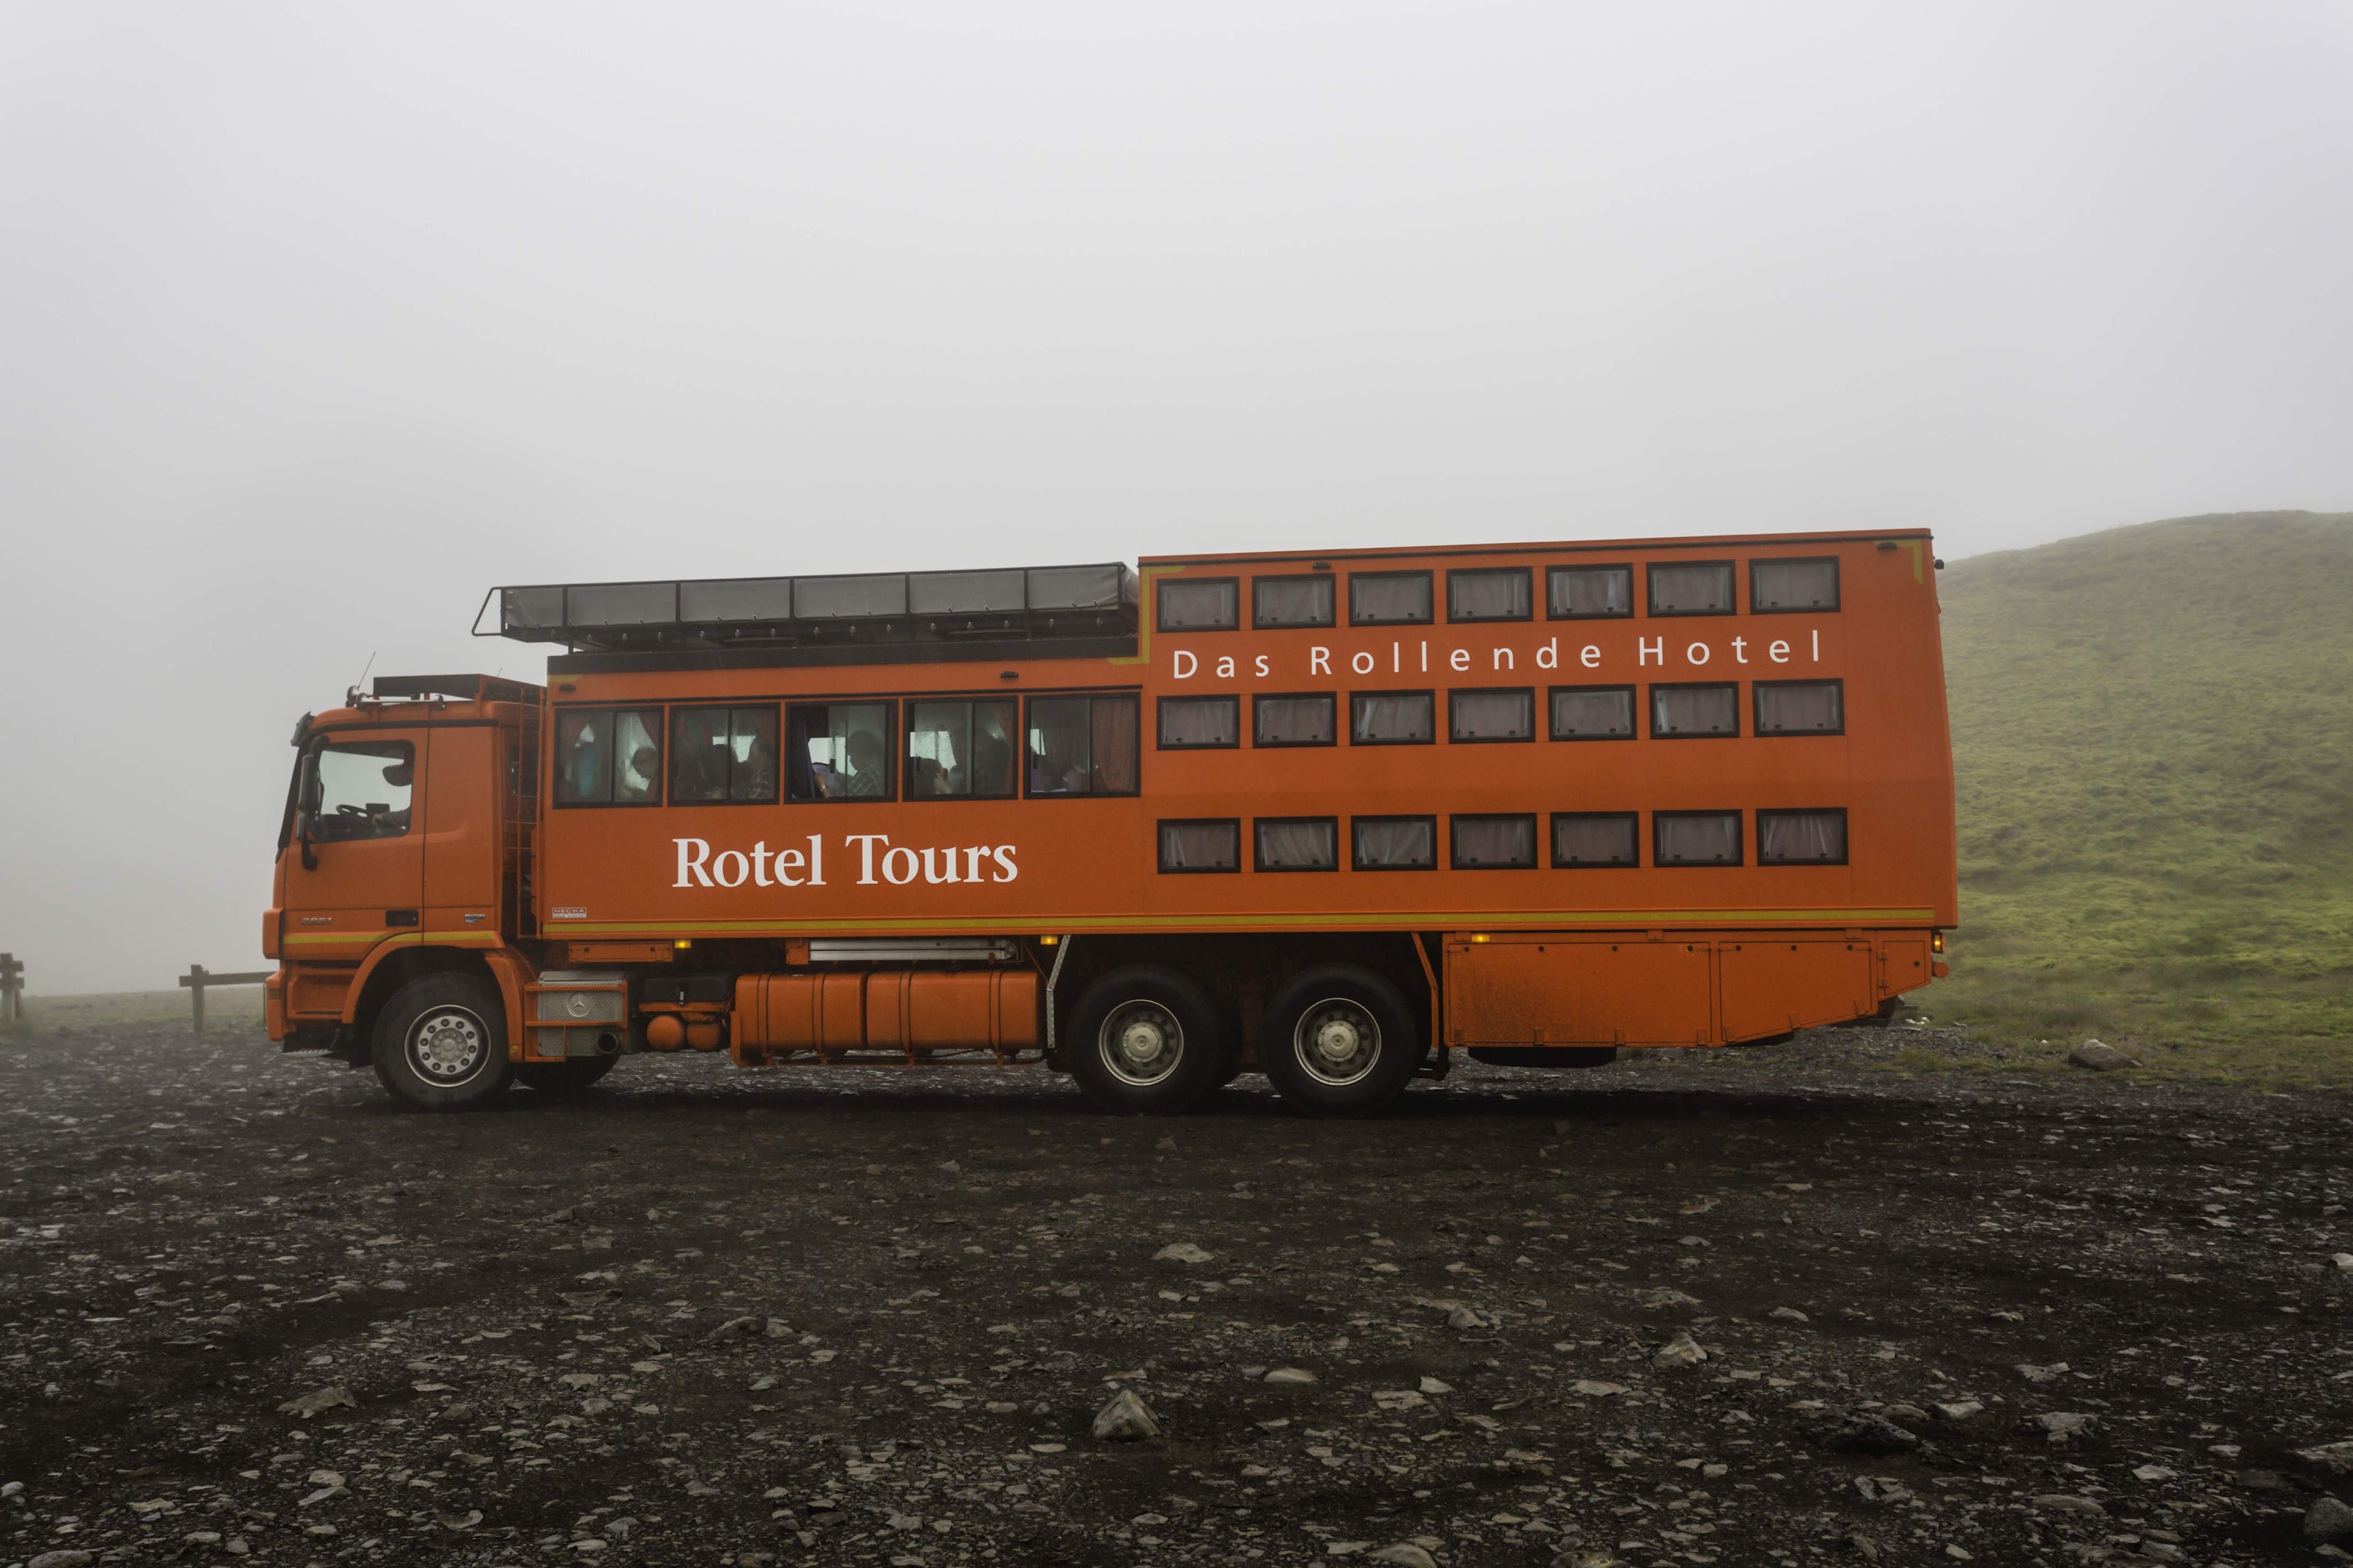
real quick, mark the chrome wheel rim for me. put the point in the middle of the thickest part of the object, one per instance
(1337, 1042)
(1141, 1042)
(448, 1047)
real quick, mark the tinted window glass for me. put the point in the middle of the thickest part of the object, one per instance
(1392, 717)
(1695, 838)
(1593, 713)
(1395, 843)
(1083, 745)
(1306, 720)
(1696, 588)
(1793, 584)
(1800, 708)
(1508, 715)
(721, 754)
(1292, 601)
(608, 757)
(1595, 838)
(838, 750)
(1202, 846)
(1298, 843)
(960, 750)
(1494, 841)
(1695, 711)
(1802, 837)
(1589, 592)
(1488, 594)
(1388, 598)
(1209, 604)
(364, 789)
(1188, 722)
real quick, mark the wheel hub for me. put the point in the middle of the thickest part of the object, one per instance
(1142, 1043)
(447, 1047)
(1338, 1042)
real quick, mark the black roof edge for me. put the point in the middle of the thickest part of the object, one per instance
(1025, 650)
(464, 688)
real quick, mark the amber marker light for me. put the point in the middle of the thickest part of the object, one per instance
(681, 944)
(1936, 941)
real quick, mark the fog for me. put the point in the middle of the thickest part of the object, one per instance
(315, 322)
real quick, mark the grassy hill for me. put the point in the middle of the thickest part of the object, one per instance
(2153, 734)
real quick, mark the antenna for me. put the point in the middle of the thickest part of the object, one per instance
(352, 697)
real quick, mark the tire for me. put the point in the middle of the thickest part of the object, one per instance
(1338, 1040)
(557, 1080)
(1145, 1041)
(441, 1044)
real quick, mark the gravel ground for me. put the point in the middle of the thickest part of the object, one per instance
(1758, 1306)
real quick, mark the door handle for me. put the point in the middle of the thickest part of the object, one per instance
(400, 917)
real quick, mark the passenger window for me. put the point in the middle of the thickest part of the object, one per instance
(1389, 599)
(1200, 723)
(838, 750)
(1198, 604)
(1802, 837)
(1498, 715)
(1595, 838)
(1800, 708)
(1291, 601)
(1395, 843)
(960, 751)
(1692, 588)
(1783, 586)
(1593, 713)
(364, 789)
(1298, 843)
(1298, 718)
(1392, 717)
(1083, 745)
(1488, 594)
(608, 756)
(1488, 843)
(1208, 845)
(1695, 838)
(723, 754)
(1589, 592)
(1682, 712)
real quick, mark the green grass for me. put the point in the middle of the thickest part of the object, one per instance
(2153, 742)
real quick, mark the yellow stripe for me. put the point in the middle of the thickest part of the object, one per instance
(312, 938)
(1401, 921)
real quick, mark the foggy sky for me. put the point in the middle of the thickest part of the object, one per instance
(316, 322)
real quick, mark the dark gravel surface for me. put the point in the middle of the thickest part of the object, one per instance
(703, 1316)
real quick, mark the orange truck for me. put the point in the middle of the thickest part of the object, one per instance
(1326, 817)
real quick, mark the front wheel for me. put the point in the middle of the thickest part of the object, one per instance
(441, 1043)
(1338, 1040)
(1145, 1041)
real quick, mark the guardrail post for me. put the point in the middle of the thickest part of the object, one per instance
(194, 981)
(198, 977)
(11, 989)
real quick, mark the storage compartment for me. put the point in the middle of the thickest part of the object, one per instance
(1771, 987)
(1529, 989)
(907, 1010)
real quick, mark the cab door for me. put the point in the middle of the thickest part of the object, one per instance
(355, 874)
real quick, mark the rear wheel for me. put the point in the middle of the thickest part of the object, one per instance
(441, 1043)
(1145, 1041)
(1338, 1040)
(558, 1079)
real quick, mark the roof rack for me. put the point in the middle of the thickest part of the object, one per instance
(464, 688)
(999, 605)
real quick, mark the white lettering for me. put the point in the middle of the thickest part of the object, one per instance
(1778, 653)
(1698, 653)
(1425, 658)
(930, 874)
(787, 862)
(1502, 659)
(1004, 854)
(1362, 664)
(1319, 661)
(1263, 671)
(1549, 655)
(972, 862)
(1740, 649)
(866, 843)
(1818, 646)
(1591, 658)
(693, 863)
(816, 860)
(1397, 658)
(891, 860)
(742, 868)
(1462, 659)
(760, 863)
(1647, 650)
(1185, 664)
(1225, 670)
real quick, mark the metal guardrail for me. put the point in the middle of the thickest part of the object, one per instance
(198, 977)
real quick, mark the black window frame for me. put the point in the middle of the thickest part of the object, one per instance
(890, 769)
(1455, 840)
(1846, 839)
(1527, 580)
(1161, 743)
(1331, 699)
(1033, 699)
(1650, 592)
(1430, 692)
(1739, 842)
(1160, 620)
(1258, 843)
(658, 795)
(1651, 706)
(1757, 708)
(1838, 586)
(906, 735)
(1564, 568)
(1331, 608)
(1552, 835)
(1355, 860)
(1454, 740)
(1429, 580)
(1160, 845)
(678, 711)
(1633, 712)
